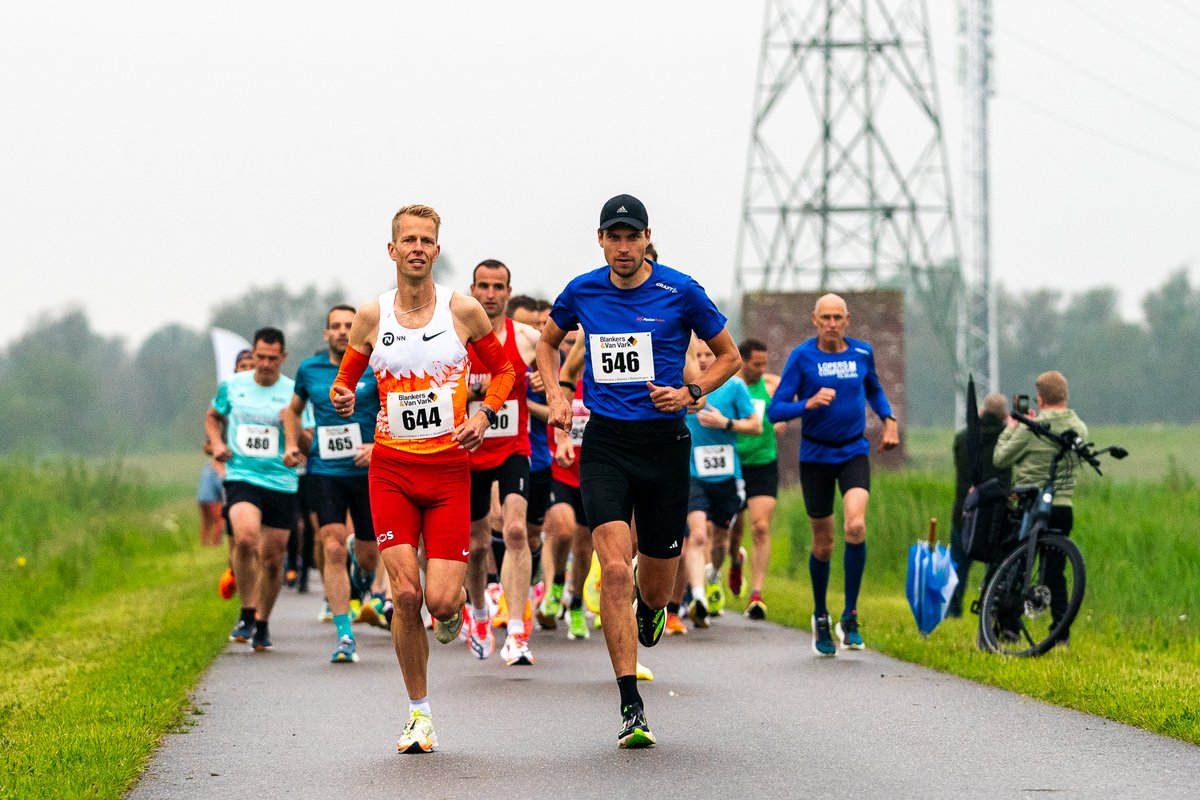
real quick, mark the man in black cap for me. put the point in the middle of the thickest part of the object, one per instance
(639, 317)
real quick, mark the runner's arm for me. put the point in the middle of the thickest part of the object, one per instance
(291, 431)
(212, 429)
(356, 359)
(547, 361)
(728, 362)
(783, 405)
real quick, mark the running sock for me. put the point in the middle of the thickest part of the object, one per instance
(756, 595)
(854, 561)
(673, 608)
(247, 615)
(516, 627)
(576, 601)
(342, 623)
(493, 578)
(629, 692)
(560, 578)
(479, 613)
(818, 571)
(421, 705)
(536, 561)
(260, 629)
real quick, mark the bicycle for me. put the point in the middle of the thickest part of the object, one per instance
(1035, 590)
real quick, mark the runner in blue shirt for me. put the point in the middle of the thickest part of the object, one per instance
(260, 489)
(828, 382)
(716, 493)
(638, 317)
(337, 465)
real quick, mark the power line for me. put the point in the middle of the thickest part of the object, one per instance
(1136, 40)
(1098, 134)
(1100, 79)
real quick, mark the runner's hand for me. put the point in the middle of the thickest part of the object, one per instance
(560, 412)
(668, 399)
(564, 454)
(343, 400)
(891, 435)
(711, 418)
(469, 435)
(363, 457)
(535, 381)
(222, 452)
(292, 457)
(820, 399)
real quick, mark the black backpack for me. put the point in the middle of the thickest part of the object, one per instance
(985, 525)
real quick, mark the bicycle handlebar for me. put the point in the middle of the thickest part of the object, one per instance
(1068, 441)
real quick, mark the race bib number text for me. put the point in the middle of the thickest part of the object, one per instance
(579, 420)
(339, 441)
(258, 441)
(420, 415)
(622, 357)
(714, 460)
(506, 419)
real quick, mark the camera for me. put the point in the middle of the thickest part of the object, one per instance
(1021, 404)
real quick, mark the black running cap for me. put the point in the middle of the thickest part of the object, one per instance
(624, 209)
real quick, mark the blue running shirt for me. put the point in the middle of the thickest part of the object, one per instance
(255, 431)
(539, 448)
(635, 335)
(714, 457)
(336, 439)
(832, 434)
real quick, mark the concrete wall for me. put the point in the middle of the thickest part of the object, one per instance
(784, 320)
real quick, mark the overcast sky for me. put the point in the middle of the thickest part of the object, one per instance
(156, 158)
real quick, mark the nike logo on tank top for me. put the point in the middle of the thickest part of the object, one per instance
(422, 378)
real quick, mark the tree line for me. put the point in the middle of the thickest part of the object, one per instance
(66, 388)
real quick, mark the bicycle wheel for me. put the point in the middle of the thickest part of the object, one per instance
(1017, 618)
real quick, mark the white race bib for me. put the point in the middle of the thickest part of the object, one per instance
(258, 441)
(579, 420)
(506, 419)
(621, 357)
(421, 415)
(714, 460)
(339, 441)
(760, 408)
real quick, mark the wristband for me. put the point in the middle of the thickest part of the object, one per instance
(567, 385)
(728, 424)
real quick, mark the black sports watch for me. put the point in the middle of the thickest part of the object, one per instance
(695, 391)
(487, 412)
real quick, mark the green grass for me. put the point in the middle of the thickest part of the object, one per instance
(1134, 653)
(1156, 452)
(105, 629)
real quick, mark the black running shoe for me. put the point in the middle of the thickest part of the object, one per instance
(262, 639)
(650, 623)
(635, 731)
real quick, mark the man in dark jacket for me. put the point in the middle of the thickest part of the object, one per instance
(992, 418)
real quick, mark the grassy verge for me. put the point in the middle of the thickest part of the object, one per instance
(104, 631)
(1134, 654)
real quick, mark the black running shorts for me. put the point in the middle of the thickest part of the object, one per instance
(539, 497)
(762, 480)
(278, 509)
(570, 495)
(513, 477)
(333, 496)
(719, 500)
(817, 480)
(628, 467)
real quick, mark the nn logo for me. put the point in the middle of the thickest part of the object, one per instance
(388, 339)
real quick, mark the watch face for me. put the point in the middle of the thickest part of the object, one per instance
(694, 391)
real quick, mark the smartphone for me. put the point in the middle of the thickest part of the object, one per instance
(1021, 404)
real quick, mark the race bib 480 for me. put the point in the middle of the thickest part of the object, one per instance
(258, 441)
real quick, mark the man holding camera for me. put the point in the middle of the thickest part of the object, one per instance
(1029, 456)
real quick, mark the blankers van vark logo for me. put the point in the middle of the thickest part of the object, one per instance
(617, 342)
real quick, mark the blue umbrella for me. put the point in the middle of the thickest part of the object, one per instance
(931, 580)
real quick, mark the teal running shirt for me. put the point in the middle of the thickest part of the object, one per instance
(255, 431)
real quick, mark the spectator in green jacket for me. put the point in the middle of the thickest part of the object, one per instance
(992, 417)
(1029, 456)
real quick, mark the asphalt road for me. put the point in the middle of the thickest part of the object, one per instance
(740, 710)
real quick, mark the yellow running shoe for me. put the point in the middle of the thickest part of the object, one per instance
(418, 735)
(591, 587)
(644, 673)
